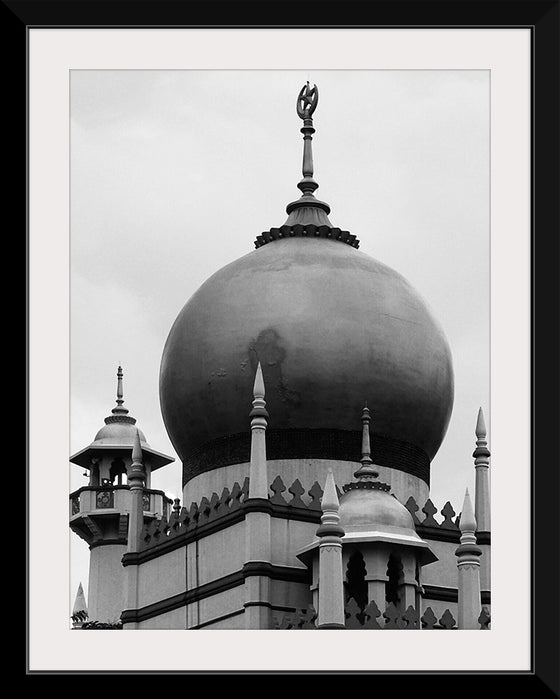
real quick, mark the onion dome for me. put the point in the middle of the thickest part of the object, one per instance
(329, 326)
(118, 435)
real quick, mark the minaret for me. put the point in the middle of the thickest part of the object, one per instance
(482, 490)
(330, 533)
(99, 511)
(468, 564)
(257, 523)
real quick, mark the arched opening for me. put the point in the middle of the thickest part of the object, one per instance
(355, 585)
(395, 579)
(118, 472)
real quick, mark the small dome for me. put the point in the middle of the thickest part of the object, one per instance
(366, 509)
(121, 433)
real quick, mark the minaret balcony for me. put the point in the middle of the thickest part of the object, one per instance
(109, 499)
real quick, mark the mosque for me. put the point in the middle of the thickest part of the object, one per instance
(306, 388)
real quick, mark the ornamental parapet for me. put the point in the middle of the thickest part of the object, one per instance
(293, 502)
(93, 498)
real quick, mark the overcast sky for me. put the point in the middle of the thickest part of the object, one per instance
(174, 174)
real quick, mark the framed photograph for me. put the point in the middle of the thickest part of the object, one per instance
(263, 283)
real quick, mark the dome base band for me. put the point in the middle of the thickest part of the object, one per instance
(335, 445)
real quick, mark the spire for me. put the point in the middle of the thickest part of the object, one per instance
(119, 413)
(258, 474)
(136, 478)
(330, 519)
(307, 209)
(119, 410)
(136, 451)
(467, 522)
(366, 470)
(307, 216)
(329, 501)
(468, 568)
(480, 425)
(331, 586)
(481, 457)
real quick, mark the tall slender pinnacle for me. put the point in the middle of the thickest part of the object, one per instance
(258, 386)
(136, 450)
(480, 425)
(306, 104)
(468, 568)
(481, 457)
(329, 501)
(119, 409)
(136, 478)
(467, 523)
(307, 209)
(331, 586)
(366, 470)
(258, 475)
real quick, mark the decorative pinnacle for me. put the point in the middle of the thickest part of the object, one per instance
(119, 410)
(306, 104)
(259, 403)
(468, 550)
(329, 501)
(480, 425)
(481, 454)
(366, 470)
(467, 522)
(137, 467)
(330, 519)
(307, 209)
(136, 449)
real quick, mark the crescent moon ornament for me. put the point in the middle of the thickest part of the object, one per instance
(307, 101)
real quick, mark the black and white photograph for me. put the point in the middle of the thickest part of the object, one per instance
(280, 291)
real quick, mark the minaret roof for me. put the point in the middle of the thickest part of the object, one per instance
(117, 436)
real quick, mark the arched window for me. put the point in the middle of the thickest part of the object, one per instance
(395, 579)
(355, 586)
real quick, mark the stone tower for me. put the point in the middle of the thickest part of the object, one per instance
(99, 511)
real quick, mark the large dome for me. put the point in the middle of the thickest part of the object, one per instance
(332, 328)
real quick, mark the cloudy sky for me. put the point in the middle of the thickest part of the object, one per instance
(174, 174)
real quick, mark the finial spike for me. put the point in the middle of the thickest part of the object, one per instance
(258, 386)
(119, 385)
(366, 470)
(119, 409)
(137, 449)
(329, 501)
(480, 425)
(467, 523)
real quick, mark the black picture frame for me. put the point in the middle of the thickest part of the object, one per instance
(542, 18)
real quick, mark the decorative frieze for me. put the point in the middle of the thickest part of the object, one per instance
(309, 230)
(292, 502)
